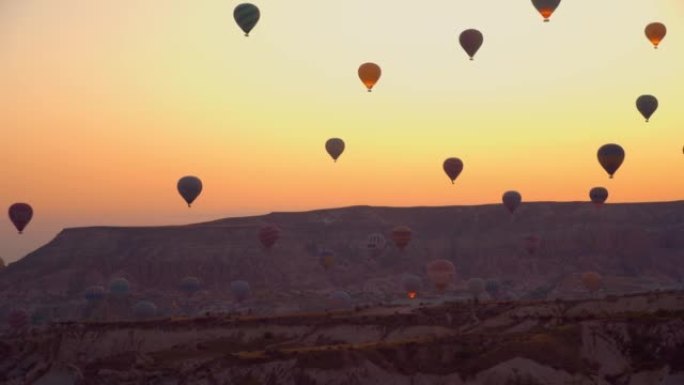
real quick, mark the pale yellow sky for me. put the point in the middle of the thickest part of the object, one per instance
(105, 104)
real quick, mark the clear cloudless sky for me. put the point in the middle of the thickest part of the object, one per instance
(104, 105)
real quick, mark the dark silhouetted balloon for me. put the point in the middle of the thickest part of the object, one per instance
(441, 273)
(269, 235)
(144, 310)
(369, 73)
(401, 235)
(511, 200)
(240, 290)
(655, 33)
(339, 300)
(532, 243)
(546, 7)
(119, 287)
(246, 16)
(95, 293)
(471, 41)
(334, 147)
(598, 195)
(452, 167)
(411, 284)
(20, 214)
(647, 105)
(190, 285)
(189, 188)
(611, 156)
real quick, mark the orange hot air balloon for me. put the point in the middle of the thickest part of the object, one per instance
(401, 235)
(369, 73)
(441, 272)
(592, 281)
(655, 32)
(546, 7)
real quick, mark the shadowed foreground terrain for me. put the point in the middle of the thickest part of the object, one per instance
(634, 339)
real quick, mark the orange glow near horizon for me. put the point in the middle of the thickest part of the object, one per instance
(105, 105)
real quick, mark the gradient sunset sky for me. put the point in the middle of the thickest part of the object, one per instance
(104, 105)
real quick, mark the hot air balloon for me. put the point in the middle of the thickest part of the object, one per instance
(492, 286)
(441, 272)
(268, 235)
(369, 73)
(546, 7)
(339, 300)
(190, 285)
(189, 188)
(511, 200)
(647, 105)
(532, 243)
(240, 290)
(411, 284)
(598, 195)
(375, 244)
(655, 32)
(471, 41)
(611, 156)
(94, 293)
(246, 16)
(476, 286)
(327, 258)
(119, 287)
(18, 319)
(334, 147)
(592, 281)
(401, 235)
(144, 310)
(20, 214)
(452, 167)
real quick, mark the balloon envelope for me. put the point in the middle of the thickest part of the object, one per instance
(411, 284)
(375, 244)
(598, 195)
(20, 214)
(95, 293)
(268, 235)
(240, 290)
(546, 7)
(647, 105)
(453, 167)
(611, 156)
(655, 33)
(532, 243)
(339, 300)
(401, 235)
(441, 273)
(190, 285)
(246, 16)
(334, 147)
(119, 286)
(592, 281)
(369, 73)
(144, 310)
(471, 41)
(511, 200)
(189, 188)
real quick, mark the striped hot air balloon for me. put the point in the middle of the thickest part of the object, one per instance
(268, 235)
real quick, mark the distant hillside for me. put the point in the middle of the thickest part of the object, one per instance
(623, 240)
